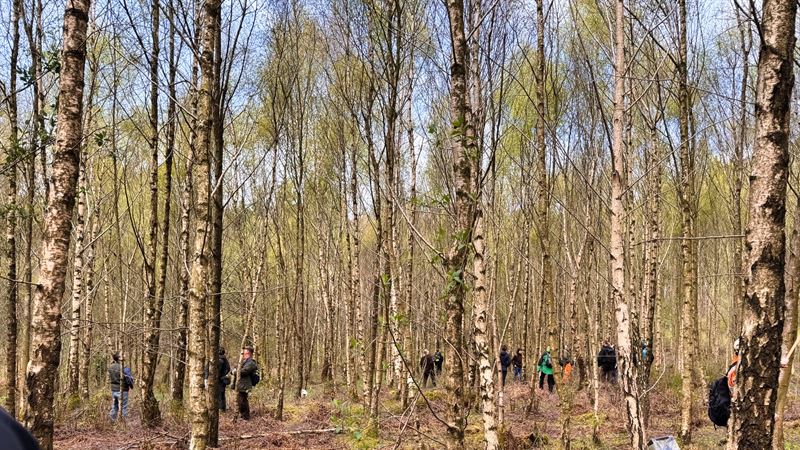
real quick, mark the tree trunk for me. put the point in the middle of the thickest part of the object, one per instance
(199, 277)
(479, 336)
(86, 344)
(77, 285)
(754, 399)
(186, 205)
(12, 155)
(43, 366)
(617, 250)
(217, 211)
(688, 335)
(151, 416)
(463, 151)
(792, 280)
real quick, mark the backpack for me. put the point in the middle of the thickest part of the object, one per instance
(545, 360)
(255, 377)
(128, 378)
(719, 402)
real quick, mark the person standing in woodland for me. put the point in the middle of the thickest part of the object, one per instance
(224, 370)
(517, 361)
(505, 362)
(121, 380)
(428, 367)
(438, 359)
(247, 369)
(545, 368)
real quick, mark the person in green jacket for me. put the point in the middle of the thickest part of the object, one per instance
(545, 368)
(244, 384)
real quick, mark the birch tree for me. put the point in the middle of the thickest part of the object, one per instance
(44, 362)
(754, 399)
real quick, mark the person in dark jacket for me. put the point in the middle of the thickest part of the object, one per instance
(505, 362)
(121, 381)
(517, 362)
(224, 370)
(428, 367)
(13, 436)
(438, 359)
(607, 361)
(244, 383)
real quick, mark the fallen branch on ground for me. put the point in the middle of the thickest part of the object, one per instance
(288, 433)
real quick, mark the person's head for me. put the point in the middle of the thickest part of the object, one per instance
(519, 351)
(117, 357)
(548, 349)
(736, 344)
(247, 352)
(221, 351)
(504, 348)
(425, 352)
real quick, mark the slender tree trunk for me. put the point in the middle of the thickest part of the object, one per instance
(754, 399)
(792, 280)
(199, 277)
(463, 152)
(13, 154)
(738, 264)
(186, 205)
(688, 335)
(479, 336)
(86, 344)
(217, 208)
(43, 366)
(151, 416)
(34, 34)
(618, 212)
(77, 285)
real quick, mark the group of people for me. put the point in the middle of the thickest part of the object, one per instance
(431, 366)
(121, 381)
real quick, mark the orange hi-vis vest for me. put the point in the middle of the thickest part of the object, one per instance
(732, 371)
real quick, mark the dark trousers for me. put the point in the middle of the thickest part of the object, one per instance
(551, 382)
(221, 397)
(505, 372)
(428, 374)
(244, 405)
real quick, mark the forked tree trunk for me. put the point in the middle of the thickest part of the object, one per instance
(754, 399)
(617, 250)
(43, 366)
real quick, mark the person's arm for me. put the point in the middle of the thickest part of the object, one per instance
(247, 369)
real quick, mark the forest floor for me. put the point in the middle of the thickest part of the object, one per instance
(324, 420)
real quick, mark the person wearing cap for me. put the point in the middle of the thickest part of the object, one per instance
(545, 368)
(244, 384)
(121, 381)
